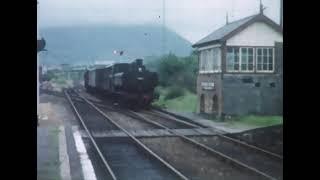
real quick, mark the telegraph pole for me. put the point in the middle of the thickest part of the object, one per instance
(281, 13)
(163, 27)
(38, 86)
(227, 19)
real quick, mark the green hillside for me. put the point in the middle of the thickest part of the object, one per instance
(85, 44)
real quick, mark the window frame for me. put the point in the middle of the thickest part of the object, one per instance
(201, 63)
(273, 60)
(207, 51)
(232, 71)
(219, 60)
(255, 59)
(240, 59)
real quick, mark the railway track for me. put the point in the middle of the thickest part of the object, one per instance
(173, 116)
(266, 163)
(218, 146)
(174, 122)
(219, 151)
(127, 158)
(169, 117)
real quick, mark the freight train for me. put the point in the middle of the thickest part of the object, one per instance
(130, 83)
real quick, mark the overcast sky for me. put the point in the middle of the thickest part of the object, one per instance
(192, 19)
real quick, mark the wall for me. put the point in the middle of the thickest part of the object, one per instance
(257, 34)
(209, 93)
(241, 97)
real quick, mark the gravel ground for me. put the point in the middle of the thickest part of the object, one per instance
(252, 158)
(94, 121)
(89, 96)
(129, 123)
(270, 138)
(193, 162)
(169, 123)
(99, 168)
(129, 161)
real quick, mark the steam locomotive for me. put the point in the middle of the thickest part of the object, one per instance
(131, 83)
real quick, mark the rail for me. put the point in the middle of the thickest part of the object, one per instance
(223, 156)
(91, 137)
(179, 174)
(270, 154)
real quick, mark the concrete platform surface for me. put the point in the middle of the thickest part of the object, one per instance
(48, 163)
(57, 154)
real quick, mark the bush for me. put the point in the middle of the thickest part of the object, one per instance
(176, 71)
(59, 80)
(49, 76)
(174, 92)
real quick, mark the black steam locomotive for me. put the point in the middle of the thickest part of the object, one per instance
(130, 83)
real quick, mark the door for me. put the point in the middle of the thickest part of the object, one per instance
(215, 103)
(202, 103)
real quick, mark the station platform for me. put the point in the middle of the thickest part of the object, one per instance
(58, 156)
(48, 153)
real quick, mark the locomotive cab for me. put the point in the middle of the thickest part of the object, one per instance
(118, 72)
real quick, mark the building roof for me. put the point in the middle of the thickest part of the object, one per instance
(232, 28)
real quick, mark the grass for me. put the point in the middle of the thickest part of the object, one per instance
(255, 121)
(188, 103)
(184, 103)
(60, 81)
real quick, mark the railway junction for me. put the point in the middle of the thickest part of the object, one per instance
(81, 136)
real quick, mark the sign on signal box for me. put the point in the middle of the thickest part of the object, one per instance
(207, 85)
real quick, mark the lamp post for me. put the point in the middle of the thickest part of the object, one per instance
(38, 48)
(163, 27)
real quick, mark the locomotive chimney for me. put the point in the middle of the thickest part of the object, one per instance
(139, 62)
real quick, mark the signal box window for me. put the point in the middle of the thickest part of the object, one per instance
(210, 60)
(247, 59)
(233, 62)
(265, 59)
(240, 59)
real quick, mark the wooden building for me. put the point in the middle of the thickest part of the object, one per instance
(240, 68)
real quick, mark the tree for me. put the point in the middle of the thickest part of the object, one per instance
(176, 71)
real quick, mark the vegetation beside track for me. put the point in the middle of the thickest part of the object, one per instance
(254, 120)
(251, 121)
(56, 81)
(174, 71)
(177, 81)
(184, 101)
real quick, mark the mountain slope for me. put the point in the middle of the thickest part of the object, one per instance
(81, 44)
